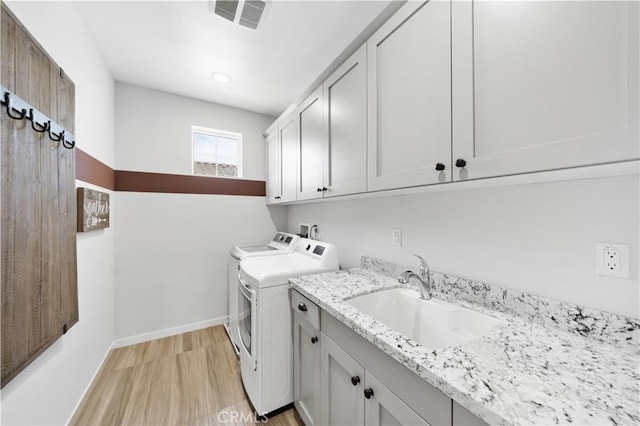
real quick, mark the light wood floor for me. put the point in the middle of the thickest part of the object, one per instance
(192, 378)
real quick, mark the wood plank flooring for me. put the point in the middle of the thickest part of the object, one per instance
(188, 379)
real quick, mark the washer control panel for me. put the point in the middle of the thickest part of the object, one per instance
(282, 239)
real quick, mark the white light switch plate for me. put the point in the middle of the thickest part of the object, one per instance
(612, 260)
(396, 237)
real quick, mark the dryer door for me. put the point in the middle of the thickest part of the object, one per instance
(247, 304)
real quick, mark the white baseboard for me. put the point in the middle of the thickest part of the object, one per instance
(126, 341)
(86, 389)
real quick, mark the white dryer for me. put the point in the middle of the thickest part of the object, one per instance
(282, 243)
(266, 358)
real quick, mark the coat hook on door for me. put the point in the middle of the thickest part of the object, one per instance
(40, 128)
(68, 144)
(54, 137)
(7, 102)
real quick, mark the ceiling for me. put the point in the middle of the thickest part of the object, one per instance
(174, 46)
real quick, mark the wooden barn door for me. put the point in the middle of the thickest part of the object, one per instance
(37, 205)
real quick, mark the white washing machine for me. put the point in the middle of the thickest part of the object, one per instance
(264, 321)
(282, 243)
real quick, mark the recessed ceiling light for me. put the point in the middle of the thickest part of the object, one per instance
(221, 77)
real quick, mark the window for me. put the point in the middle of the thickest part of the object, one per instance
(216, 152)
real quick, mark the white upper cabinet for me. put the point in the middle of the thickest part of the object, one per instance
(409, 88)
(312, 145)
(332, 152)
(274, 188)
(540, 85)
(345, 97)
(448, 91)
(288, 135)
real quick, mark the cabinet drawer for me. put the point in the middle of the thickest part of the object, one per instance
(306, 309)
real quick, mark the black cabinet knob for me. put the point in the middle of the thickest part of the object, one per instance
(460, 162)
(355, 380)
(324, 188)
(439, 167)
(368, 393)
(314, 340)
(302, 307)
(319, 190)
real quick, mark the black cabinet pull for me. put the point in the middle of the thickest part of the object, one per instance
(314, 340)
(439, 167)
(319, 190)
(324, 188)
(278, 197)
(355, 380)
(460, 162)
(368, 393)
(302, 307)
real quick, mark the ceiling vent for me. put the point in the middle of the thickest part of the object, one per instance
(248, 13)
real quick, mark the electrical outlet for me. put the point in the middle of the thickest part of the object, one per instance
(396, 237)
(612, 260)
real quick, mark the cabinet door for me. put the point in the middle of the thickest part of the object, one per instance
(306, 371)
(312, 142)
(342, 401)
(345, 98)
(544, 85)
(273, 168)
(409, 87)
(382, 407)
(288, 157)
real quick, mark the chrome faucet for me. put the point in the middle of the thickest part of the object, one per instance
(424, 278)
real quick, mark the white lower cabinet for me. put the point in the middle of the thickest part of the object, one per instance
(306, 370)
(342, 386)
(306, 358)
(460, 416)
(342, 379)
(353, 396)
(383, 407)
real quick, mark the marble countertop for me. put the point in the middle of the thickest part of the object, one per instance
(520, 372)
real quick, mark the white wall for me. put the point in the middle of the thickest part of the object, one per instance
(154, 131)
(47, 391)
(538, 238)
(171, 249)
(171, 255)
